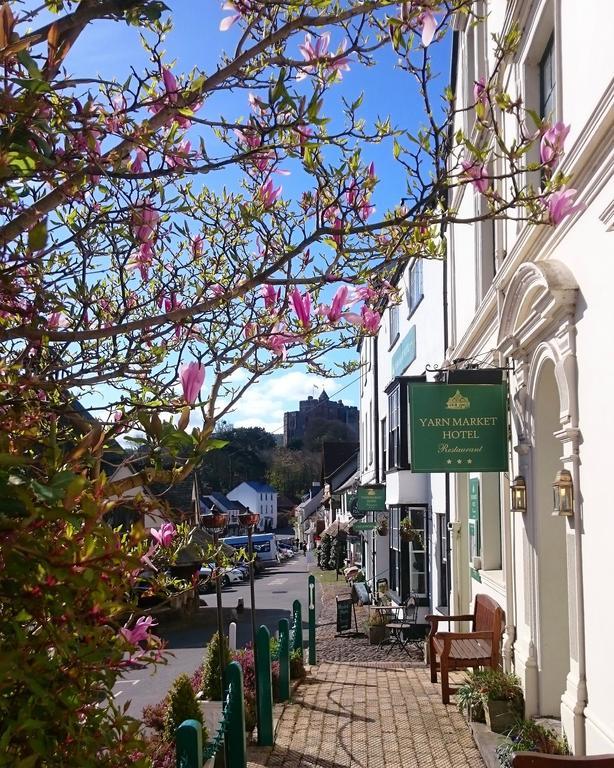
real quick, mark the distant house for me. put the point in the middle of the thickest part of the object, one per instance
(259, 497)
(232, 507)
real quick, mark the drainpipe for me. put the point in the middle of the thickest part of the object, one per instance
(446, 330)
(375, 448)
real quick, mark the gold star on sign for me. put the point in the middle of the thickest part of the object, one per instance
(469, 461)
(449, 461)
(459, 461)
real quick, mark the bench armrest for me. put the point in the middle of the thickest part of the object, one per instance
(486, 635)
(462, 617)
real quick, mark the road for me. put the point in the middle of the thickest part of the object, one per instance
(275, 591)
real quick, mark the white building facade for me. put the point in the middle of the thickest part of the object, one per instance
(259, 497)
(535, 303)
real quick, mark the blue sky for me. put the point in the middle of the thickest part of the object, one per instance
(111, 49)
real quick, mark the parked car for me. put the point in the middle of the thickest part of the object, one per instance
(229, 576)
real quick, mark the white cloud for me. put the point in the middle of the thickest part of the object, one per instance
(264, 404)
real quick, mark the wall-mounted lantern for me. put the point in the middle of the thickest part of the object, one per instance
(519, 494)
(563, 493)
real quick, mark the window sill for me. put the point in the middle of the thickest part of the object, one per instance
(394, 341)
(412, 310)
(494, 580)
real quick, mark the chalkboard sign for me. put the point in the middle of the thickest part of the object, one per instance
(344, 614)
(360, 593)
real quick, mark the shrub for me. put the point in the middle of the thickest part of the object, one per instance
(483, 685)
(211, 684)
(297, 665)
(182, 705)
(154, 715)
(529, 736)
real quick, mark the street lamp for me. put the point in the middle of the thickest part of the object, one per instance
(216, 523)
(250, 520)
(563, 493)
(519, 494)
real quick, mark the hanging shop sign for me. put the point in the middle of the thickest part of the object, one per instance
(372, 498)
(363, 526)
(458, 427)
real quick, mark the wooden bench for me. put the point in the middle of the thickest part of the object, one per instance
(535, 760)
(461, 650)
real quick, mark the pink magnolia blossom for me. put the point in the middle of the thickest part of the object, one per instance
(218, 290)
(278, 340)
(552, 143)
(362, 293)
(314, 53)
(165, 535)
(144, 221)
(334, 313)
(141, 630)
(250, 330)
(170, 85)
(178, 158)
(115, 121)
(269, 194)
(477, 173)
(142, 260)
(560, 205)
(302, 306)
(480, 92)
(368, 319)
(192, 377)
(136, 165)
(239, 8)
(257, 105)
(270, 295)
(428, 23)
(57, 320)
(251, 141)
(338, 235)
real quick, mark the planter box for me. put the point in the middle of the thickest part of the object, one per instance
(501, 715)
(377, 634)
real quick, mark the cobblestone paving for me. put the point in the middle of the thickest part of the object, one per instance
(369, 716)
(363, 707)
(347, 648)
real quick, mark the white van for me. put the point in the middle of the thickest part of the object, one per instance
(264, 544)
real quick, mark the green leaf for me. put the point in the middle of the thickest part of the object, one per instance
(37, 237)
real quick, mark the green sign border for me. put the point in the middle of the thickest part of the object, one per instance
(363, 525)
(429, 400)
(372, 498)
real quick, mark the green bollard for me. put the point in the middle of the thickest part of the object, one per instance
(235, 735)
(189, 745)
(284, 660)
(265, 687)
(312, 619)
(297, 640)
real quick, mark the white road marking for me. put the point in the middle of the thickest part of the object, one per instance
(278, 581)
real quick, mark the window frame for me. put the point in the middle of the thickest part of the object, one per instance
(415, 283)
(393, 325)
(398, 434)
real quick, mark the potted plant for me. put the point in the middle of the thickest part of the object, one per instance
(376, 623)
(501, 697)
(469, 697)
(408, 533)
(529, 736)
(382, 527)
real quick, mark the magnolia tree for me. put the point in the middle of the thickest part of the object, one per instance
(148, 247)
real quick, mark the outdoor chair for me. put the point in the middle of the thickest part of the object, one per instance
(403, 629)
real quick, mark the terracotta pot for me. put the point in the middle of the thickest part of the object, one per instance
(214, 520)
(249, 518)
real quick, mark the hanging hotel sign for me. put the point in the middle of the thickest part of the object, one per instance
(371, 498)
(458, 428)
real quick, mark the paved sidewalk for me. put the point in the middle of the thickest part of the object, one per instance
(369, 716)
